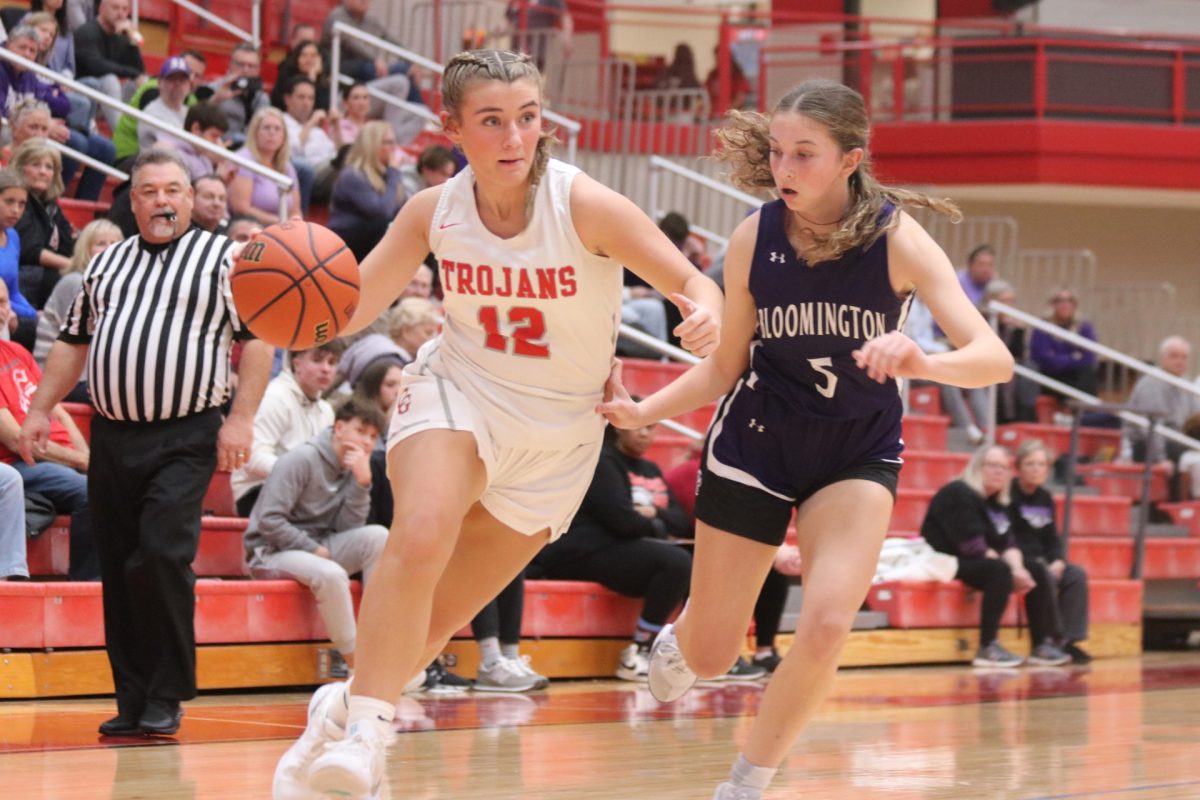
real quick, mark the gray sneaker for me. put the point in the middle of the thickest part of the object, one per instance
(670, 677)
(523, 663)
(995, 655)
(743, 670)
(506, 675)
(727, 791)
(1047, 654)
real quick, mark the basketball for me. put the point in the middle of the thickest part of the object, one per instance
(295, 285)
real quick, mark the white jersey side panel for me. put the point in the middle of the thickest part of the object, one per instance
(531, 321)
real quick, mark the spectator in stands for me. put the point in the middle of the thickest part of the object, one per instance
(57, 471)
(174, 86)
(768, 609)
(212, 205)
(681, 72)
(362, 61)
(622, 538)
(979, 272)
(968, 518)
(356, 111)
(421, 285)
(435, 165)
(242, 227)
(13, 564)
(740, 89)
(302, 32)
(1155, 394)
(1189, 462)
(380, 383)
(208, 122)
(94, 239)
(127, 136)
(29, 119)
(1058, 359)
(292, 411)
(17, 85)
(21, 323)
(108, 55)
(920, 327)
(57, 52)
(368, 191)
(543, 20)
(1016, 400)
(240, 93)
(1032, 513)
(497, 632)
(313, 140)
(47, 240)
(410, 323)
(302, 61)
(266, 143)
(310, 523)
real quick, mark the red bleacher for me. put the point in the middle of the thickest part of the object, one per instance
(1186, 514)
(1093, 442)
(929, 604)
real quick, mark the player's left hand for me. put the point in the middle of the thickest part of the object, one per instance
(234, 441)
(700, 331)
(892, 355)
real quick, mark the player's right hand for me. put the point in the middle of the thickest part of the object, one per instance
(618, 407)
(34, 436)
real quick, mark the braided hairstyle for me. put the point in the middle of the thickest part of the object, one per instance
(470, 66)
(745, 146)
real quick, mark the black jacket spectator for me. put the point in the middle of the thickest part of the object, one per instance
(98, 53)
(1033, 524)
(44, 227)
(963, 524)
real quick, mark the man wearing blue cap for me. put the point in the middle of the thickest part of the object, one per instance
(174, 85)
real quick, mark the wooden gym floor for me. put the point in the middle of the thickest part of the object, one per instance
(1120, 729)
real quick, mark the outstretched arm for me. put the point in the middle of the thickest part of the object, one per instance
(390, 266)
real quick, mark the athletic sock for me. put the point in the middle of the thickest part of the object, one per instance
(511, 650)
(745, 775)
(369, 712)
(645, 632)
(489, 650)
(339, 706)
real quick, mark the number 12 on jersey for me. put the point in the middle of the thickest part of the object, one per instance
(526, 325)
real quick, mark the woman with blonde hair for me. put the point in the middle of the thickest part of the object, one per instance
(369, 190)
(95, 237)
(266, 143)
(47, 238)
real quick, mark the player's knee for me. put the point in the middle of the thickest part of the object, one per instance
(424, 537)
(823, 635)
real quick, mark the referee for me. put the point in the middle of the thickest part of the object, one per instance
(153, 323)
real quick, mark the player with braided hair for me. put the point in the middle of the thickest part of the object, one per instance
(495, 437)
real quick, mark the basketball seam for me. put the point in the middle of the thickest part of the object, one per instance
(309, 271)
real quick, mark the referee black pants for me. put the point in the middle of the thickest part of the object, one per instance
(146, 484)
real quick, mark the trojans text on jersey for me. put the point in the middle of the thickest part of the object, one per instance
(531, 284)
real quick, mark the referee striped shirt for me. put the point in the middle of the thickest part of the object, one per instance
(160, 322)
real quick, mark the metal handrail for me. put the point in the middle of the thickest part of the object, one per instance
(658, 163)
(342, 29)
(253, 36)
(1095, 347)
(88, 161)
(282, 181)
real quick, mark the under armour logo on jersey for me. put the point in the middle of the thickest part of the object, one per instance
(755, 426)
(778, 258)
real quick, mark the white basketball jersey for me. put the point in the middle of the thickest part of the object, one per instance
(531, 321)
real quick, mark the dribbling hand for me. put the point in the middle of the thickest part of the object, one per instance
(618, 407)
(892, 355)
(700, 331)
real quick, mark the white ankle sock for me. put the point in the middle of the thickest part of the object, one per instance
(746, 775)
(339, 705)
(489, 650)
(369, 712)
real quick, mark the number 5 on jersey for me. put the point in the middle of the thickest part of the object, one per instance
(527, 326)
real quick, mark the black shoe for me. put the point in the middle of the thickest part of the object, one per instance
(123, 724)
(1078, 654)
(161, 718)
(769, 661)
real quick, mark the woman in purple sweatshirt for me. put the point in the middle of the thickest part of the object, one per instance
(1059, 359)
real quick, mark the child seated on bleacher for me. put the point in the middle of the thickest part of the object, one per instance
(309, 522)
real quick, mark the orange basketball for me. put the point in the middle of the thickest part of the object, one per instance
(295, 285)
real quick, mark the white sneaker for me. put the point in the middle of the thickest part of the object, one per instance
(291, 773)
(351, 769)
(633, 664)
(506, 675)
(726, 791)
(670, 677)
(523, 663)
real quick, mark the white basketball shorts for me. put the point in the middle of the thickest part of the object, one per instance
(528, 490)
